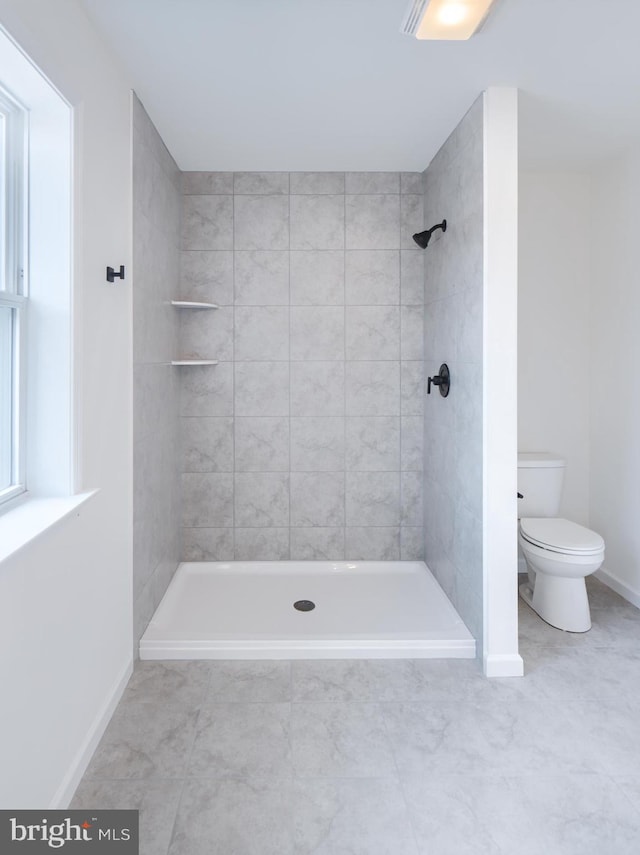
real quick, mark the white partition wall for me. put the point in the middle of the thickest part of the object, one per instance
(500, 414)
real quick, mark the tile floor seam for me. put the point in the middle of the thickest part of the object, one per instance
(401, 784)
(175, 816)
(634, 805)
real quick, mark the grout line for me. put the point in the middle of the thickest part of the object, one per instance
(289, 416)
(344, 371)
(233, 360)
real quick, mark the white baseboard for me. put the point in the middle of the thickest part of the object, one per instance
(503, 665)
(90, 742)
(617, 585)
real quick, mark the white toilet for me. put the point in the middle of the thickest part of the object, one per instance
(559, 554)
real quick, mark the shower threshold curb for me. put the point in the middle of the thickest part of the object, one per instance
(304, 649)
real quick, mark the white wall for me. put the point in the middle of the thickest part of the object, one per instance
(500, 354)
(615, 370)
(554, 274)
(66, 598)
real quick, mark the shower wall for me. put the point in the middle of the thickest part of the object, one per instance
(156, 474)
(453, 187)
(305, 441)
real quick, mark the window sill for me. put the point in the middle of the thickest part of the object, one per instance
(21, 525)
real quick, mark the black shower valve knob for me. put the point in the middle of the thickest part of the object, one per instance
(442, 380)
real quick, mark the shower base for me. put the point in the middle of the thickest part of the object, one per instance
(361, 610)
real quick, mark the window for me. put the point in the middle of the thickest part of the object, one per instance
(13, 294)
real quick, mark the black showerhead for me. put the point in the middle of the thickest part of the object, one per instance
(423, 238)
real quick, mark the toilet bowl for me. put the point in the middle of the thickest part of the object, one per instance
(559, 555)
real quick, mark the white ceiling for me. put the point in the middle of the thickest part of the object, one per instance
(333, 84)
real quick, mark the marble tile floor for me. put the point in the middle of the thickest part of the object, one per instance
(404, 757)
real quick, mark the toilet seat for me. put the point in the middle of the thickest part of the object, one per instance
(561, 536)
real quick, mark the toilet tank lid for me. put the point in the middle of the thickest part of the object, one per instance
(539, 460)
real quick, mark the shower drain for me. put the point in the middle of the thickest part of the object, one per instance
(304, 605)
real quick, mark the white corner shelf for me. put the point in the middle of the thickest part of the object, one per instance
(194, 361)
(190, 304)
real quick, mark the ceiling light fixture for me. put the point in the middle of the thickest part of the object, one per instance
(452, 20)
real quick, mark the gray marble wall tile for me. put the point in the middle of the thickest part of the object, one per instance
(207, 544)
(411, 182)
(207, 445)
(412, 277)
(309, 333)
(207, 390)
(317, 333)
(316, 182)
(373, 388)
(317, 444)
(468, 406)
(207, 277)
(412, 388)
(411, 219)
(262, 444)
(373, 544)
(373, 499)
(261, 333)
(412, 439)
(373, 332)
(317, 278)
(412, 332)
(466, 552)
(373, 222)
(207, 222)
(469, 332)
(262, 389)
(466, 468)
(207, 183)
(411, 499)
(207, 500)
(317, 499)
(412, 543)
(262, 544)
(317, 388)
(261, 499)
(261, 183)
(206, 333)
(373, 444)
(261, 222)
(156, 212)
(372, 182)
(262, 278)
(317, 222)
(317, 544)
(372, 277)
(453, 326)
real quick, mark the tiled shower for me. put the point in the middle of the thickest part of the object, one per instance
(306, 439)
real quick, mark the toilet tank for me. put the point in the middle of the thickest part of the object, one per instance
(540, 476)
